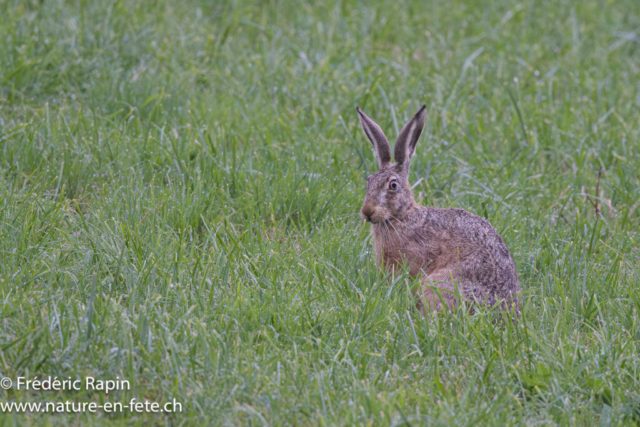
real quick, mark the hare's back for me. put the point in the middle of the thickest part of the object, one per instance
(468, 233)
(481, 256)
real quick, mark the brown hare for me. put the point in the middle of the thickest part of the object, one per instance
(455, 251)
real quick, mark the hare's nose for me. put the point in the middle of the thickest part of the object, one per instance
(367, 211)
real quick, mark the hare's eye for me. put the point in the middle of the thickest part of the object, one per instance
(393, 185)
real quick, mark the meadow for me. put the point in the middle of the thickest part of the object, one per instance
(180, 184)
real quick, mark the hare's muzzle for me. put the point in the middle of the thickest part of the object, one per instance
(367, 212)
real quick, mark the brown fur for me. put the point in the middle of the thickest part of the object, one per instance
(455, 251)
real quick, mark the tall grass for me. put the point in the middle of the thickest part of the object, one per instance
(180, 186)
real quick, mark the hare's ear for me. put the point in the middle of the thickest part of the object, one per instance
(381, 146)
(408, 138)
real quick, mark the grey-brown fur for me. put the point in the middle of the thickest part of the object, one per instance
(449, 248)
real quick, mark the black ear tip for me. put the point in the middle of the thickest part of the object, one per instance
(358, 109)
(424, 107)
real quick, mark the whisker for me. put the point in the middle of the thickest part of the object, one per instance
(388, 231)
(384, 232)
(395, 229)
(408, 228)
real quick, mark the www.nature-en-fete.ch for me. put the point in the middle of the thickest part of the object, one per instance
(133, 405)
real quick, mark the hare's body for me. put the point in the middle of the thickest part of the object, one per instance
(455, 251)
(450, 248)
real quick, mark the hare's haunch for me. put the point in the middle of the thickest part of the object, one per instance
(455, 251)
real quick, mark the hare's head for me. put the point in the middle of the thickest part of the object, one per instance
(389, 194)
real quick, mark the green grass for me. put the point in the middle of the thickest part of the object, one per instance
(180, 183)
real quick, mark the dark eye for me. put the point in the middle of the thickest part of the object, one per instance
(393, 185)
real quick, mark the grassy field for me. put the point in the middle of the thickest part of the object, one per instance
(180, 184)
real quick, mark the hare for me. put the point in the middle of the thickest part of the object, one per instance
(454, 251)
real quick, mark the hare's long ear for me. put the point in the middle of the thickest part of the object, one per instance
(381, 146)
(408, 138)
